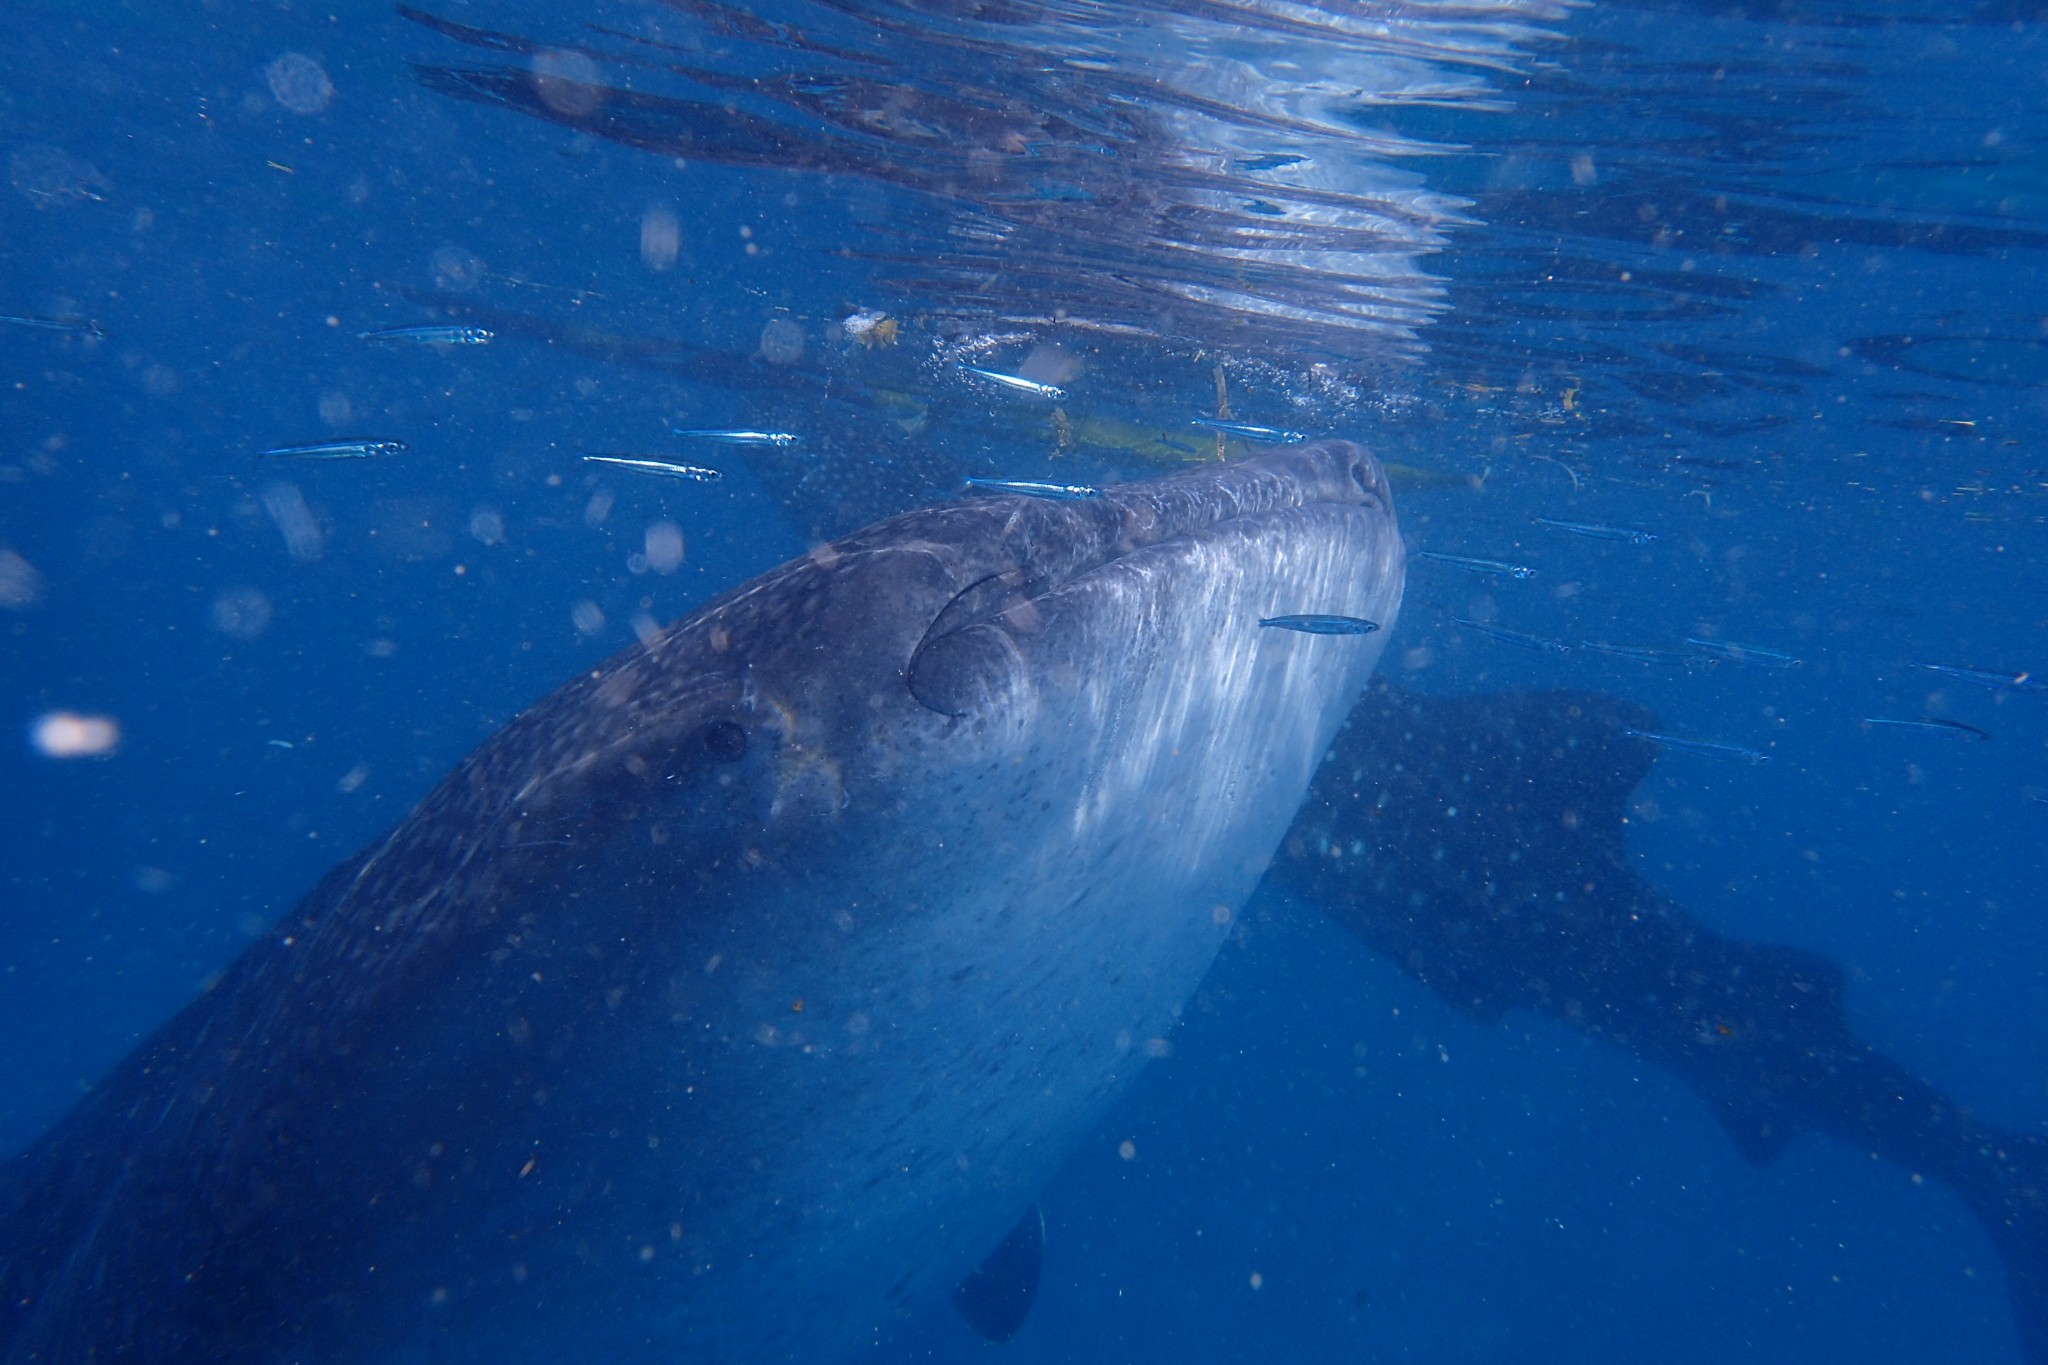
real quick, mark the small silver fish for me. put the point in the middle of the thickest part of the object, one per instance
(1704, 748)
(71, 326)
(1033, 488)
(737, 436)
(428, 336)
(1989, 677)
(1017, 382)
(1637, 654)
(1492, 566)
(1272, 435)
(335, 450)
(665, 468)
(1515, 637)
(1315, 624)
(1595, 532)
(1931, 724)
(1742, 654)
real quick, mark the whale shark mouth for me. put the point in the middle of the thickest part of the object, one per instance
(961, 660)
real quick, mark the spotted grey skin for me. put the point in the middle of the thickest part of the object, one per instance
(734, 1000)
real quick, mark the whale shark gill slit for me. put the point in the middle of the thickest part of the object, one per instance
(965, 671)
(965, 664)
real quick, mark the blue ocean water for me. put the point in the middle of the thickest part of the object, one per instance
(1764, 281)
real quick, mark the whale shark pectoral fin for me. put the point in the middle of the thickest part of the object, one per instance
(998, 1296)
(1761, 1132)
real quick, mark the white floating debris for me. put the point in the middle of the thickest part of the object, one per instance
(299, 83)
(647, 630)
(21, 587)
(664, 547)
(67, 734)
(870, 328)
(294, 521)
(782, 342)
(241, 613)
(661, 237)
(567, 81)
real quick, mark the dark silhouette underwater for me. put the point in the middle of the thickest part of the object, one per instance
(1477, 842)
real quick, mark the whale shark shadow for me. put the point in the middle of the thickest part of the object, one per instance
(1477, 843)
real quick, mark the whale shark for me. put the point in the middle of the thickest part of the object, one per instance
(733, 1001)
(1477, 843)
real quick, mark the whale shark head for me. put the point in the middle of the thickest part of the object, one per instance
(733, 1000)
(942, 667)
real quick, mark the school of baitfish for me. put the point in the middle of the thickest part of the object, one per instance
(1698, 649)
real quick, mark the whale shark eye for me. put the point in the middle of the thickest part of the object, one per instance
(723, 742)
(1365, 477)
